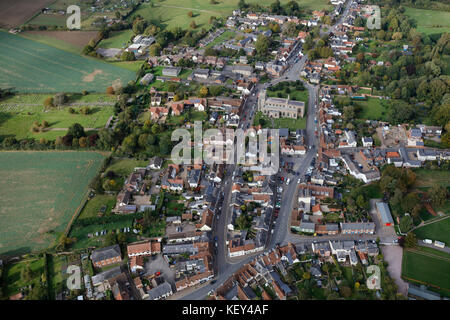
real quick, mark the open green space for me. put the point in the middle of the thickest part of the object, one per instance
(227, 35)
(428, 178)
(124, 167)
(93, 206)
(30, 66)
(173, 13)
(40, 194)
(372, 109)
(439, 230)
(430, 21)
(17, 121)
(117, 39)
(13, 274)
(427, 267)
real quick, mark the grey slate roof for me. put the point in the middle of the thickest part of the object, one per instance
(105, 253)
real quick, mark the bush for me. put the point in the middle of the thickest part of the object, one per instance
(110, 90)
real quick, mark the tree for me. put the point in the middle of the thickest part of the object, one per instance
(82, 142)
(155, 49)
(85, 110)
(128, 56)
(110, 239)
(26, 273)
(438, 195)
(193, 25)
(190, 14)
(110, 90)
(48, 102)
(76, 131)
(406, 223)
(410, 240)
(242, 5)
(139, 26)
(345, 291)
(203, 92)
(60, 99)
(262, 45)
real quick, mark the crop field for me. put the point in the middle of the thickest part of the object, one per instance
(41, 191)
(13, 13)
(430, 21)
(173, 13)
(428, 267)
(30, 66)
(72, 41)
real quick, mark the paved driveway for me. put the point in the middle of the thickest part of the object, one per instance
(394, 256)
(157, 263)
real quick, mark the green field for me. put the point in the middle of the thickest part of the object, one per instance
(12, 274)
(430, 21)
(426, 178)
(30, 66)
(117, 39)
(173, 13)
(17, 120)
(123, 167)
(427, 266)
(435, 231)
(372, 109)
(92, 207)
(40, 193)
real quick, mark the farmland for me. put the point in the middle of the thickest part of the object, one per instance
(430, 21)
(18, 113)
(72, 41)
(427, 266)
(40, 193)
(30, 66)
(13, 13)
(57, 16)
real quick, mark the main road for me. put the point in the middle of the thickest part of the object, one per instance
(224, 266)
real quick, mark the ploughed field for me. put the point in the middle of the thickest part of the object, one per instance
(41, 191)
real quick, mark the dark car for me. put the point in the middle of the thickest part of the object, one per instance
(214, 281)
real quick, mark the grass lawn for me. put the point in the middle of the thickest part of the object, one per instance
(56, 281)
(17, 120)
(81, 233)
(427, 267)
(117, 39)
(372, 109)
(12, 274)
(430, 21)
(435, 231)
(129, 65)
(41, 192)
(93, 205)
(227, 35)
(124, 167)
(427, 178)
(291, 124)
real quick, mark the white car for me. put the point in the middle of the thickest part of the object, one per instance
(288, 181)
